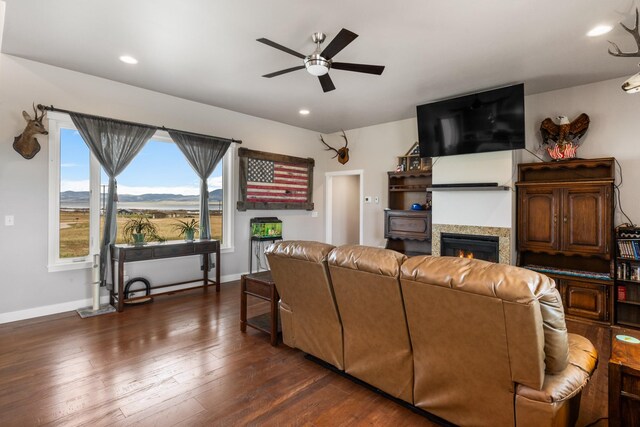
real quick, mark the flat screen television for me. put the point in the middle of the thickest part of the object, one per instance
(476, 123)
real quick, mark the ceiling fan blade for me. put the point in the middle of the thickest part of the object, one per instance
(358, 68)
(280, 47)
(326, 82)
(288, 70)
(338, 43)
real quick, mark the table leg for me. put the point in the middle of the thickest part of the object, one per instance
(205, 271)
(243, 304)
(274, 315)
(218, 269)
(113, 290)
(121, 282)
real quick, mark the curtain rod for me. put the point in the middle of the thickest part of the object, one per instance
(60, 110)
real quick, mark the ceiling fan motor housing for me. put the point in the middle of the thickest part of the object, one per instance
(315, 63)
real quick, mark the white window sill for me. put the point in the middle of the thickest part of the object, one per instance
(67, 266)
(227, 250)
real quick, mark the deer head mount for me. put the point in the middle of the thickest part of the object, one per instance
(632, 85)
(342, 153)
(26, 143)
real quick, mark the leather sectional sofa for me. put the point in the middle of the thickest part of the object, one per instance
(472, 342)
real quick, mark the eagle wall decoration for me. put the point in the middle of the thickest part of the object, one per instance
(562, 140)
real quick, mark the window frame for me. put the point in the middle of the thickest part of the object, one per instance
(58, 121)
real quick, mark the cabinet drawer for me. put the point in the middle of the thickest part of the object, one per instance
(407, 225)
(207, 246)
(172, 250)
(137, 254)
(258, 288)
(585, 299)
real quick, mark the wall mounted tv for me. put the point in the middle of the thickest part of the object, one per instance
(476, 123)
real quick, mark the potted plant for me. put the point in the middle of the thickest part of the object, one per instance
(139, 229)
(187, 229)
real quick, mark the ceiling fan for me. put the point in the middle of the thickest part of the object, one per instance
(320, 62)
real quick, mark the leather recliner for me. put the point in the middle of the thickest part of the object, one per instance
(377, 349)
(310, 319)
(490, 345)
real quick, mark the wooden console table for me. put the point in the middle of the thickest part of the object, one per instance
(172, 249)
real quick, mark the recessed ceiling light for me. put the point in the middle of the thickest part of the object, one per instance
(304, 112)
(599, 30)
(128, 59)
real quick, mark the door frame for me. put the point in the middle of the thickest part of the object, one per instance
(328, 177)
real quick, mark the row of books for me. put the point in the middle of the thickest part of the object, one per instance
(628, 293)
(629, 249)
(627, 271)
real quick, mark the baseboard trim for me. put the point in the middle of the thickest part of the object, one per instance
(46, 310)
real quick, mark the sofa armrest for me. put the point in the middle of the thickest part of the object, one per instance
(583, 359)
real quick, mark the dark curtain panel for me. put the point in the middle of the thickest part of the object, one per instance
(115, 144)
(203, 154)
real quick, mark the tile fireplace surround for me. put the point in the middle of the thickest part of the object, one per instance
(503, 234)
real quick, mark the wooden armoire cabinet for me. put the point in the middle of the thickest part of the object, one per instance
(565, 229)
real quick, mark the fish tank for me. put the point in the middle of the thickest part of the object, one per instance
(266, 227)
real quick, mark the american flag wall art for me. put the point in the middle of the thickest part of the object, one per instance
(269, 181)
(274, 181)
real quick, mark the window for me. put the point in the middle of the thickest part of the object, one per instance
(158, 183)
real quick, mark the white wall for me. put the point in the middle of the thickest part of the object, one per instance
(24, 280)
(345, 210)
(477, 208)
(614, 130)
(374, 149)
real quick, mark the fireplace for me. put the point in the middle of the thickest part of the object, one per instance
(469, 246)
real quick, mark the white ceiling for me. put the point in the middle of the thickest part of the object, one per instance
(206, 50)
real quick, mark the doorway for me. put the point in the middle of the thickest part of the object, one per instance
(344, 203)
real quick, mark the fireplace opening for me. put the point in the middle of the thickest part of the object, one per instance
(469, 246)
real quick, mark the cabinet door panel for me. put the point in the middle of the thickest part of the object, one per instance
(586, 220)
(584, 299)
(538, 219)
(407, 225)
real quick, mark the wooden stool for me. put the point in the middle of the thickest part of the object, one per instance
(260, 285)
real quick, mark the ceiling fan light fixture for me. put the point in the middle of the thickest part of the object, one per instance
(316, 65)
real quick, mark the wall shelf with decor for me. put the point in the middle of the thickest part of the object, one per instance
(407, 228)
(628, 277)
(412, 162)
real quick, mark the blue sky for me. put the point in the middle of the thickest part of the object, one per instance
(160, 167)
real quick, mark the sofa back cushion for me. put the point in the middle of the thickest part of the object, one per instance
(299, 270)
(377, 349)
(476, 328)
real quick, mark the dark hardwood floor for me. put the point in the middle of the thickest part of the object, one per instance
(182, 360)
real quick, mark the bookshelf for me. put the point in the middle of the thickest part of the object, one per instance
(628, 277)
